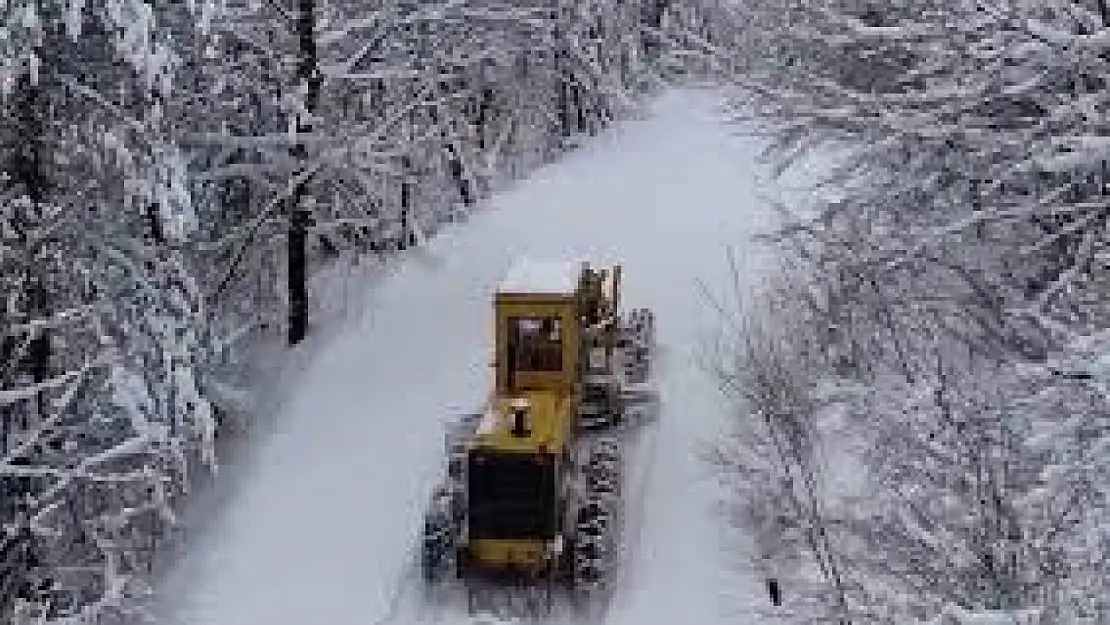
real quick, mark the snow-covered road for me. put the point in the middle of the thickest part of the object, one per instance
(326, 508)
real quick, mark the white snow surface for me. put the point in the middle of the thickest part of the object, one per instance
(532, 275)
(328, 506)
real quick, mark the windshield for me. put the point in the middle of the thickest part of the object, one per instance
(536, 343)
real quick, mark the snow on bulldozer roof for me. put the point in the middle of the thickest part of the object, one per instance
(542, 276)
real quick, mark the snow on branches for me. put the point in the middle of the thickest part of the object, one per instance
(422, 109)
(957, 263)
(959, 492)
(977, 122)
(102, 343)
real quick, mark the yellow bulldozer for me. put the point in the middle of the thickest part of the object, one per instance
(530, 505)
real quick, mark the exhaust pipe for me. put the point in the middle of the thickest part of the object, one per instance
(520, 418)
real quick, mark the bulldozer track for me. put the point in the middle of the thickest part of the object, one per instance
(646, 443)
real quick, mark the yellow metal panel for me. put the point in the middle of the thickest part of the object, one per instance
(551, 421)
(501, 553)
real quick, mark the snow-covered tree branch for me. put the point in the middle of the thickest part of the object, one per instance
(954, 255)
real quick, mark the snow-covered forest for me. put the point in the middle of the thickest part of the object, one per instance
(923, 432)
(920, 394)
(175, 175)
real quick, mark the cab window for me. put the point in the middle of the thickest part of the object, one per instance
(536, 343)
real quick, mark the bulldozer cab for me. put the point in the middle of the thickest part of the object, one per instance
(536, 312)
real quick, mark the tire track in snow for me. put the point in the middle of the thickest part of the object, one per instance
(633, 540)
(407, 583)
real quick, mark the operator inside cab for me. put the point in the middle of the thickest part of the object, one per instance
(535, 344)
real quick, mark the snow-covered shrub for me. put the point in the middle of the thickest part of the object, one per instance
(765, 360)
(983, 489)
(960, 258)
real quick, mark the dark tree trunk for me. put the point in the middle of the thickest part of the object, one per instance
(458, 173)
(297, 270)
(299, 218)
(562, 89)
(774, 591)
(29, 178)
(579, 108)
(485, 103)
(650, 44)
(563, 94)
(408, 232)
